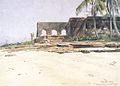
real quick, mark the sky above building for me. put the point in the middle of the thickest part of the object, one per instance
(18, 18)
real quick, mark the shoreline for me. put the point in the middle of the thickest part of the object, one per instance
(41, 68)
(67, 47)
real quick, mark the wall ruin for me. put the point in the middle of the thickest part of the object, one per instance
(76, 26)
(53, 31)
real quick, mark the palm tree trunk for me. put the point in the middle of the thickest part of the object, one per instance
(114, 22)
(94, 18)
(94, 21)
(112, 15)
(110, 10)
(111, 32)
(84, 26)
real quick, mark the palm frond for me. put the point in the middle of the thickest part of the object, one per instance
(118, 2)
(116, 6)
(81, 6)
(100, 9)
(103, 6)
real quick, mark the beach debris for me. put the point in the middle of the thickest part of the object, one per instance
(63, 45)
(106, 50)
(85, 51)
(9, 55)
(112, 45)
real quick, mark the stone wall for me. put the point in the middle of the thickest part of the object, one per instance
(76, 26)
(52, 31)
(81, 26)
(49, 26)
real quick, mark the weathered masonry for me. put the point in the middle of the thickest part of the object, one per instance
(84, 26)
(57, 31)
(46, 28)
(53, 32)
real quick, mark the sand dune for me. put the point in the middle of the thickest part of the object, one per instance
(38, 68)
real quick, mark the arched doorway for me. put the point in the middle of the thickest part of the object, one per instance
(54, 33)
(63, 32)
(43, 33)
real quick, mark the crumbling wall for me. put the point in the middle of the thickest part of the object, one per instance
(49, 26)
(76, 26)
(52, 31)
(84, 26)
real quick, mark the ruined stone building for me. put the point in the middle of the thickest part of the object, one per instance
(53, 31)
(76, 26)
(58, 31)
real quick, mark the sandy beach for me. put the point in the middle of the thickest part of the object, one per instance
(39, 68)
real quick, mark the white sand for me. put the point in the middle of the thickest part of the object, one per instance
(38, 68)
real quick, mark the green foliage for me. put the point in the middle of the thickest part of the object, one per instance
(81, 6)
(116, 38)
(108, 39)
(85, 38)
(93, 38)
(97, 5)
(104, 39)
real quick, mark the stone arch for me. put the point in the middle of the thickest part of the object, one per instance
(54, 33)
(43, 33)
(63, 32)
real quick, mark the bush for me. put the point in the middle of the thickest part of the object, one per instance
(93, 38)
(115, 38)
(85, 38)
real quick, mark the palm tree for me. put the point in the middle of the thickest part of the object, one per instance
(109, 7)
(114, 10)
(113, 7)
(97, 5)
(84, 26)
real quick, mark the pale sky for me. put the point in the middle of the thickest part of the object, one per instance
(18, 18)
